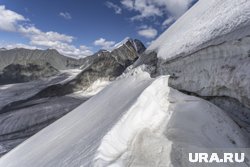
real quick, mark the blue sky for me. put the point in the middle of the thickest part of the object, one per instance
(81, 27)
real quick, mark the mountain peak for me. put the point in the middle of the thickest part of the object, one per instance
(137, 44)
(52, 50)
(124, 41)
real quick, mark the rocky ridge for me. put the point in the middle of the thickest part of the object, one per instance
(17, 73)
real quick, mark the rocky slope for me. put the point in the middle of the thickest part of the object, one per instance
(17, 73)
(117, 60)
(104, 65)
(26, 56)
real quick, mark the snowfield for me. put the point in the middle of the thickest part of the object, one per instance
(135, 121)
(208, 22)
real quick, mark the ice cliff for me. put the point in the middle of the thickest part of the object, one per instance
(207, 54)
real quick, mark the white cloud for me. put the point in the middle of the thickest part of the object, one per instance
(54, 40)
(128, 3)
(9, 19)
(37, 36)
(19, 45)
(145, 8)
(12, 21)
(149, 8)
(65, 15)
(175, 7)
(168, 21)
(104, 44)
(71, 50)
(148, 32)
(111, 5)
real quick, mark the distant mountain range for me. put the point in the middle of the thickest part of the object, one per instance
(26, 56)
(16, 64)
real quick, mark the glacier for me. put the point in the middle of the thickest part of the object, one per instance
(137, 129)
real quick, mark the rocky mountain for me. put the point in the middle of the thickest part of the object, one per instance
(104, 65)
(17, 73)
(26, 108)
(26, 56)
(21, 65)
(55, 59)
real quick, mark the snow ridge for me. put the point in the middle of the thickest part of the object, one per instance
(161, 124)
(148, 113)
(206, 23)
(123, 42)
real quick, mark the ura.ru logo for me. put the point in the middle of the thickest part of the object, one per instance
(214, 158)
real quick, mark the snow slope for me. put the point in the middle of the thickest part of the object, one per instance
(135, 121)
(206, 23)
(161, 124)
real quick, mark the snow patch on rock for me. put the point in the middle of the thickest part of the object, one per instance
(95, 87)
